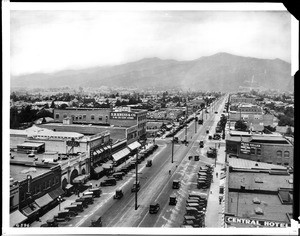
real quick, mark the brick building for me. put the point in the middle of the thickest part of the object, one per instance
(262, 148)
(241, 99)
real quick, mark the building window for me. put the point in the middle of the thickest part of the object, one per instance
(65, 115)
(100, 117)
(56, 116)
(80, 117)
(279, 154)
(84, 117)
(92, 117)
(252, 151)
(286, 154)
(73, 117)
(258, 151)
(278, 163)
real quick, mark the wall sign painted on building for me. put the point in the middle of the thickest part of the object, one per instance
(245, 147)
(255, 222)
(122, 116)
(72, 143)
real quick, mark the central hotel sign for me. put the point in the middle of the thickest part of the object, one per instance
(255, 222)
(246, 147)
(122, 116)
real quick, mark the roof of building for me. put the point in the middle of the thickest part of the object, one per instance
(248, 164)
(283, 129)
(241, 204)
(259, 180)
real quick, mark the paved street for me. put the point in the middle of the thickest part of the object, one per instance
(156, 185)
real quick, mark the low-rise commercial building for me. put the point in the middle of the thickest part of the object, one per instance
(273, 149)
(257, 195)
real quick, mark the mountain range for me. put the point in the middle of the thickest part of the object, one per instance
(219, 72)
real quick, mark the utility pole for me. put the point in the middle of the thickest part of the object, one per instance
(136, 180)
(195, 125)
(172, 149)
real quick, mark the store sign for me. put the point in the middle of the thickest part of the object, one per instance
(255, 222)
(245, 147)
(72, 143)
(122, 116)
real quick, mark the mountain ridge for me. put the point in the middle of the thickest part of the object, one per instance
(221, 71)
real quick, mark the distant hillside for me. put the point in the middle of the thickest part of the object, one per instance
(220, 72)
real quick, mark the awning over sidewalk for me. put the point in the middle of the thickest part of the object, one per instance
(57, 192)
(16, 218)
(107, 166)
(98, 169)
(69, 186)
(80, 179)
(121, 154)
(134, 145)
(30, 210)
(44, 200)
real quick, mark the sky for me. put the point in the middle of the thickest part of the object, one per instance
(52, 40)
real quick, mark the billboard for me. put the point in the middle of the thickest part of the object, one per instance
(122, 116)
(246, 147)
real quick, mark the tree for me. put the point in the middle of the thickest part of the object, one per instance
(14, 118)
(53, 105)
(240, 125)
(63, 106)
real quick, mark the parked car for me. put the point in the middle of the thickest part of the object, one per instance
(154, 208)
(109, 182)
(118, 175)
(149, 163)
(96, 192)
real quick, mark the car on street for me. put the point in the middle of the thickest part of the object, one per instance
(154, 208)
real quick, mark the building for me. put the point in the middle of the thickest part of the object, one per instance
(257, 195)
(98, 116)
(35, 186)
(242, 99)
(272, 149)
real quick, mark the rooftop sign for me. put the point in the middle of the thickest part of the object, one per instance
(122, 116)
(255, 222)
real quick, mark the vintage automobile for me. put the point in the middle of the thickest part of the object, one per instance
(173, 200)
(149, 163)
(97, 222)
(136, 187)
(109, 182)
(154, 208)
(119, 194)
(176, 184)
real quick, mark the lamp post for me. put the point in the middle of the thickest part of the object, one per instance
(59, 201)
(136, 180)
(172, 149)
(195, 124)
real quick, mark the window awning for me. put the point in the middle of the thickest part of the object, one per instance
(16, 218)
(80, 179)
(57, 192)
(44, 200)
(98, 169)
(134, 145)
(105, 148)
(121, 154)
(30, 209)
(69, 186)
(107, 166)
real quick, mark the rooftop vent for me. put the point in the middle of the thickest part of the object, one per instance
(259, 211)
(258, 180)
(256, 200)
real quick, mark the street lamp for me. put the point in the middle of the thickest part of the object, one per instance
(59, 201)
(172, 149)
(136, 179)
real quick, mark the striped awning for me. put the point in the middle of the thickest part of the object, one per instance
(134, 145)
(121, 154)
(98, 169)
(31, 209)
(80, 179)
(57, 192)
(16, 218)
(44, 200)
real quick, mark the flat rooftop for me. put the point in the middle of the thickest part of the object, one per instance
(259, 181)
(241, 204)
(248, 164)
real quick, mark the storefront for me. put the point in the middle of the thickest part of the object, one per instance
(120, 156)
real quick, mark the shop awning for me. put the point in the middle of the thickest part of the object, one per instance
(57, 192)
(69, 186)
(121, 154)
(30, 209)
(16, 218)
(107, 166)
(44, 200)
(134, 145)
(105, 148)
(80, 179)
(98, 169)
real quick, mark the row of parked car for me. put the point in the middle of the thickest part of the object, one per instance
(180, 127)
(114, 177)
(204, 177)
(195, 210)
(74, 208)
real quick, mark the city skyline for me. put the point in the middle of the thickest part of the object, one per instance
(51, 40)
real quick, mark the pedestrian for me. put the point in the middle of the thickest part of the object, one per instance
(169, 172)
(217, 174)
(210, 191)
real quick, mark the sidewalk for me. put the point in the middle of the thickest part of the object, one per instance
(213, 218)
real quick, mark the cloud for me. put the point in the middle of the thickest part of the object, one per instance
(46, 41)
